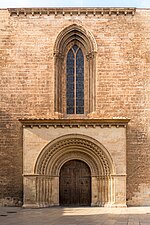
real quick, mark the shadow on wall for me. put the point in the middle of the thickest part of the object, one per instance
(10, 160)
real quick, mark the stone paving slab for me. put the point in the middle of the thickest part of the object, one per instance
(75, 216)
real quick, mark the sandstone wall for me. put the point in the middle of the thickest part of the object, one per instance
(122, 88)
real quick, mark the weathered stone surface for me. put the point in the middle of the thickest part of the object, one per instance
(84, 141)
(122, 87)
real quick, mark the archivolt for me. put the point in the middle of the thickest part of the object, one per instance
(75, 32)
(74, 146)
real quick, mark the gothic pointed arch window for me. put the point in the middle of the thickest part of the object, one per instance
(75, 53)
(75, 81)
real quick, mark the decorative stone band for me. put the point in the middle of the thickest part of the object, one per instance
(71, 11)
(74, 123)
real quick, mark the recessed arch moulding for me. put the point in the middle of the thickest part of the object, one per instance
(48, 147)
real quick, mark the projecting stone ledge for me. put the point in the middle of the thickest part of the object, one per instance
(43, 122)
(71, 11)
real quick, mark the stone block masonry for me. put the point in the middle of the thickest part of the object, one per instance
(27, 84)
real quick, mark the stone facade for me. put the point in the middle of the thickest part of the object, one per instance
(101, 145)
(118, 64)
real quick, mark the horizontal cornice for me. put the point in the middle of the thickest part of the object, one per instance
(74, 123)
(71, 11)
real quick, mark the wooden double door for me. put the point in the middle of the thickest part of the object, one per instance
(75, 184)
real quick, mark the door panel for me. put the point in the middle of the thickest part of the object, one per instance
(75, 184)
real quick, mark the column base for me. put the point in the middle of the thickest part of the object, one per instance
(118, 206)
(36, 206)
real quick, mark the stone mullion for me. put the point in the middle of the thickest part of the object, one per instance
(90, 86)
(75, 82)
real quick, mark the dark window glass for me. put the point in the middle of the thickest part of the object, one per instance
(70, 110)
(75, 75)
(80, 110)
(70, 63)
(75, 47)
(70, 82)
(79, 82)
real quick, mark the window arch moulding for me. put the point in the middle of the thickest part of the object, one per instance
(75, 35)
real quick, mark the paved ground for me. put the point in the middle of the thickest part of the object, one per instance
(75, 216)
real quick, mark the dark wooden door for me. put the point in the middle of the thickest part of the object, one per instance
(75, 184)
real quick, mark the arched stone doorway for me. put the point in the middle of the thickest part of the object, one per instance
(74, 147)
(75, 184)
(101, 144)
